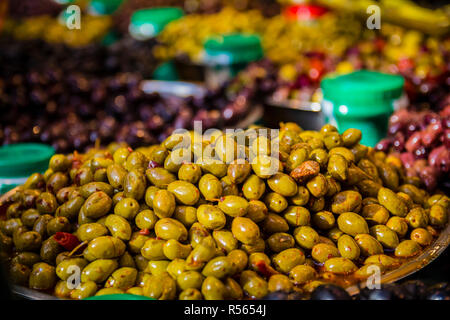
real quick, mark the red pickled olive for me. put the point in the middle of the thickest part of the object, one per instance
(414, 142)
(407, 159)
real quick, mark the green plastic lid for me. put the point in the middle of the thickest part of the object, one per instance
(232, 48)
(166, 71)
(63, 1)
(23, 159)
(104, 7)
(123, 296)
(148, 23)
(363, 100)
(363, 86)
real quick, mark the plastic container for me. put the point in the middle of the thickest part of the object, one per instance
(146, 24)
(363, 100)
(103, 7)
(224, 56)
(18, 161)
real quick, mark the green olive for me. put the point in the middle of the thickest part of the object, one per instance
(238, 171)
(253, 285)
(318, 186)
(382, 259)
(280, 241)
(122, 278)
(90, 231)
(306, 237)
(185, 192)
(190, 294)
(301, 198)
(89, 188)
(324, 220)
(321, 252)
(190, 280)
(301, 274)
(234, 206)
(127, 208)
(134, 185)
(350, 137)
(275, 202)
(438, 215)
(213, 289)
(46, 203)
(340, 265)
(211, 217)
(161, 287)
(118, 227)
(287, 259)
(385, 236)
(338, 167)
(407, 248)
(173, 249)
(421, 236)
(218, 267)
(210, 187)
(352, 223)
(97, 205)
(186, 215)
(225, 240)
(67, 267)
(346, 201)
(283, 184)
(19, 274)
(104, 247)
(238, 259)
(168, 228)
(375, 213)
(395, 205)
(348, 247)
(85, 290)
(257, 211)
(146, 219)
(190, 172)
(245, 230)
(368, 245)
(417, 218)
(398, 225)
(42, 276)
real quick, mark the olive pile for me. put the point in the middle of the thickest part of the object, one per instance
(422, 141)
(143, 223)
(95, 91)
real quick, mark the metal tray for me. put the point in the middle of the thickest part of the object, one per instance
(306, 114)
(182, 89)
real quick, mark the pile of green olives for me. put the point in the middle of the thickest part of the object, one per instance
(150, 225)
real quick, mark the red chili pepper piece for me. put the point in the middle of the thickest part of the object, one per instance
(144, 232)
(67, 240)
(264, 269)
(153, 164)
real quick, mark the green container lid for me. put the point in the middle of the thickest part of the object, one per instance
(124, 296)
(363, 100)
(232, 49)
(104, 7)
(166, 71)
(148, 23)
(18, 161)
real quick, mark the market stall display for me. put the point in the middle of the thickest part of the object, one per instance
(422, 141)
(354, 180)
(138, 221)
